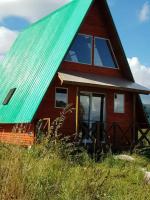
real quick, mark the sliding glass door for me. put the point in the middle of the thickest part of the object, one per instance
(91, 113)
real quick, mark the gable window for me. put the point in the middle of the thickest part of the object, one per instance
(61, 97)
(9, 96)
(119, 104)
(103, 55)
(81, 50)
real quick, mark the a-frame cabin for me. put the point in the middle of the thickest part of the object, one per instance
(72, 56)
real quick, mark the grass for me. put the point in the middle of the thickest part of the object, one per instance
(43, 173)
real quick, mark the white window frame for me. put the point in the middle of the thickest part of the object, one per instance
(66, 94)
(119, 112)
(112, 53)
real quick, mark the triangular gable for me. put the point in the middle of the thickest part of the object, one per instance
(34, 60)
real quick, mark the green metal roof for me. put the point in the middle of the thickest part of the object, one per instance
(34, 60)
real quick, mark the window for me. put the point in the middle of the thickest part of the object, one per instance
(81, 50)
(61, 97)
(9, 96)
(103, 55)
(119, 103)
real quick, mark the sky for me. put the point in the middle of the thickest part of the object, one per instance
(132, 19)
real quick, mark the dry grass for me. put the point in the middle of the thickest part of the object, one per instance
(43, 173)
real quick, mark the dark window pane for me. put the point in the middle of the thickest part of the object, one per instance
(102, 53)
(9, 96)
(61, 97)
(80, 51)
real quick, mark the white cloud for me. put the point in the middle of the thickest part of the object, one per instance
(140, 72)
(31, 9)
(7, 37)
(144, 14)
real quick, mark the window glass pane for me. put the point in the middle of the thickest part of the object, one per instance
(61, 97)
(84, 107)
(96, 108)
(119, 103)
(102, 53)
(81, 50)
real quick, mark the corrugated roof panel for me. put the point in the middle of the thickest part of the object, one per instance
(34, 60)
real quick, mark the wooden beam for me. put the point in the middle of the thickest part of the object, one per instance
(134, 119)
(77, 109)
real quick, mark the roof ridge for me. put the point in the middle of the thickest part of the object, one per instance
(50, 14)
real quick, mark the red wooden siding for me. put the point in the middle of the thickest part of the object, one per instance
(47, 107)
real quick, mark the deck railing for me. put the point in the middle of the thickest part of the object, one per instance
(116, 135)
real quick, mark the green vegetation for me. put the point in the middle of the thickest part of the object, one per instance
(51, 172)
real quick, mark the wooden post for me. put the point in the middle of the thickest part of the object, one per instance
(114, 134)
(134, 119)
(77, 110)
(98, 139)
